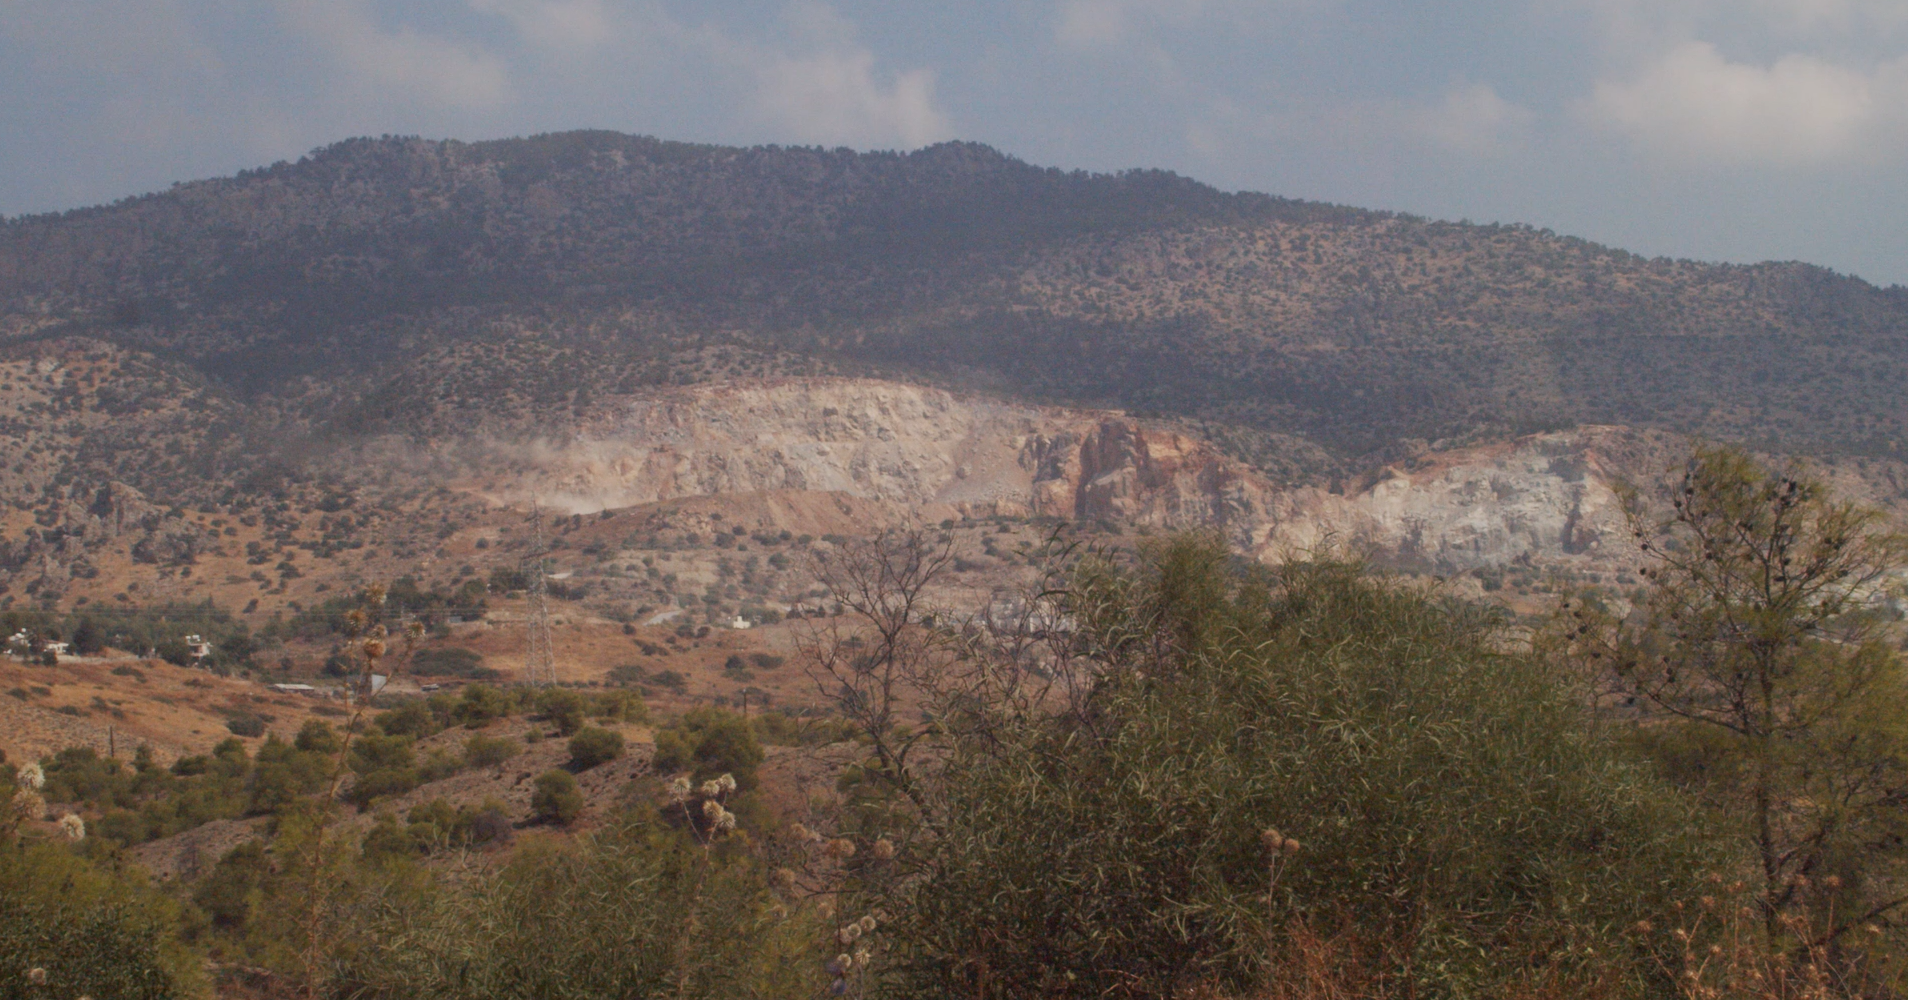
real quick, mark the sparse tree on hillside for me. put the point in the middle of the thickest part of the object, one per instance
(1760, 650)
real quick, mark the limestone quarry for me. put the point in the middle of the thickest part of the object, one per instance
(900, 451)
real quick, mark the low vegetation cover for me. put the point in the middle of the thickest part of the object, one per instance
(1165, 773)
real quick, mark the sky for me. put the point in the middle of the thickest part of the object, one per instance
(1736, 130)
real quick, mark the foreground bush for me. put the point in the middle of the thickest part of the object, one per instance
(89, 932)
(639, 912)
(1254, 754)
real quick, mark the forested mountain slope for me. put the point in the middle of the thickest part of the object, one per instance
(315, 281)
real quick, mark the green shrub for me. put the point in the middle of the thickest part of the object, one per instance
(317, 737)
(710, 741)
(450, 661)
(489, 751)
(563, 708)
(246, 725)
(592, 746)
(556, 798)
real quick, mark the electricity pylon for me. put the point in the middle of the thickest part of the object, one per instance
(539, 665)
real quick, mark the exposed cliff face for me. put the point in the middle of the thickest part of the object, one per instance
(1546, 498)
(934, 453)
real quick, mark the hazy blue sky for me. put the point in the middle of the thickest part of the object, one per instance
(1720, 129)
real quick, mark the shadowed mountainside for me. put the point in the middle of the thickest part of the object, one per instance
(584, 262)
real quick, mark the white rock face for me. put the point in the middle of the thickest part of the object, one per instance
(1543, 498)
(1546, 498)
(870, 439)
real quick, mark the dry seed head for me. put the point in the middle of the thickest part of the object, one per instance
(374, 648)
(1273, 840)
(31, 777)
(842, 963)
(679, 789)
(72, 827)
(726, 821)
(712, 788)
(1644, 927)
(840, 848)
(884, 848)
(726, 782)
(1833, 882)
(800, 832)
(862, 956)
(783, 878)
(1709, 903)
(36, 976)
(867, 924)
(711, 808)
(848, 933)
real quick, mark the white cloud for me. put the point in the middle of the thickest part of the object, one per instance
(835, 97)
(818, 84)
(569, 25)
(1693, 104)
(437, 69)
(1472, 119)
(1090, 23)
(1099, 24)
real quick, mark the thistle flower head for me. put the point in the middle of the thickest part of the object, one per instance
(1276, 842)
(679, 789)
(862, 957)
(848, 933)
(801, 832)
(726, 821)
(726, 782)
(883, 849)
(841, 963)
(711, 788)
(867, 923)
(31, 777)
(783, 878)
(72, 827)
(711, 808)
(840, 848)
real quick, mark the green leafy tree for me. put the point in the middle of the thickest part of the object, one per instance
(1759, 649)
(1213, 757)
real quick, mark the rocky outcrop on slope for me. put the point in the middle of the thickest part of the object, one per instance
(74, 528)
(1542, 498)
